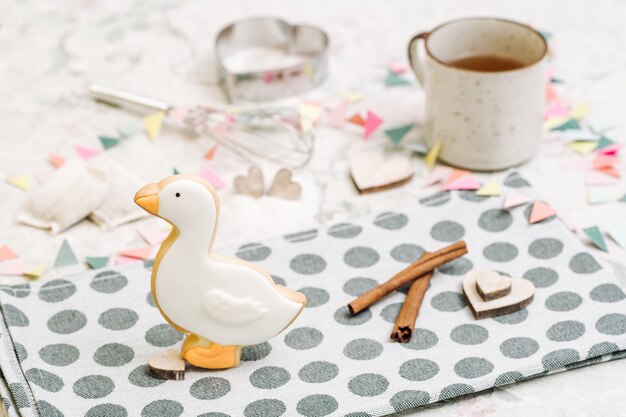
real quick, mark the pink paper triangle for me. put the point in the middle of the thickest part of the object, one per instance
(464, 183)
(371, 124)
(603, 161)
(437, 175)
(122, 260)
(557, 109)
(337, 115)
(540, 211)
(212, 177)
(455, 175)
(178, 114)
(398, 67)
(56, 160)
(137, 253)
(86, 153)
(7, 253)
(514, 199)
(152, 235)
(610, 150)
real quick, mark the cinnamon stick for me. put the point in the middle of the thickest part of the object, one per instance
(427, 263)
(405, 322)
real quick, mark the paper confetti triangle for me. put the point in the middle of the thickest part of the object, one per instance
(557, 109)
(66, 256)
(596, 237)
(465, 183)
(175, 171)
(14, 268)
(437, 175)
(610, 171)
(151, 235)
(85, 152)
(455, 175)
(432, 155)
(580, 111)
(554, 121)
(34, 273)
(397, 134)
(56, 160)
(598, 178)
(177, 114)
(540, 211)
(128, 130)
(108, 142)
(123, 260)
(212, 177)
(610, 150)
(491, 189)
(372, 122)
(7, 253)
(599, 195)
(394, 80)
(569, 124)
(583, 147)
(309, 114)
(152, 124)
(398, 67)
(623, 199)
(551, 94)
(337, 115)
(357, 120)
(20, 181)
(137, 253)
(514, 199)
(210, 155)
(603, 161)
(618, 234)
(352, 96)
(97, 262)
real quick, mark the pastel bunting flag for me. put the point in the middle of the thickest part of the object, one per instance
(432, 155)
(514, 199)
(66, 256)
(540, 211)
(97, 262)
(372, 122)
(153, 123)
(595, 235)
(491, 189)
(398, 133)
(20, 181)
(56, 160)
(212, 177)
(85, 152)
(7, 253)
(137, 253)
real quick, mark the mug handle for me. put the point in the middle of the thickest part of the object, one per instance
(414, 56)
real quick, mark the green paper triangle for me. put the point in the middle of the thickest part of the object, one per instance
(108, 142)
(398, 133)
(66, 256)
(97, 262)
(570, 124)
(603, 142)
(623, 199)
(394, 79)
(596, 237)
(175, 171)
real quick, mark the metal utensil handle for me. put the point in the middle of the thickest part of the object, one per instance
(125, 99)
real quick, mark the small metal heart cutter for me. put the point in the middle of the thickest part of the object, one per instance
(265, 58)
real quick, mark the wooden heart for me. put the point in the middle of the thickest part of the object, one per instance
(491, 285)
(522, 292)
(251, 184)
(283, 187)
(372, 171)
(168, 366)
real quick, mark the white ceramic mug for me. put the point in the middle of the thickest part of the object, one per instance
(484, 120)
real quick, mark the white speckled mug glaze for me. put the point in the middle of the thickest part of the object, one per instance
(484, 120)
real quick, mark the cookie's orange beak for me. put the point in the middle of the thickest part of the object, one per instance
(148, 198)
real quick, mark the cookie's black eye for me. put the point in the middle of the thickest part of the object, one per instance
(177, 194)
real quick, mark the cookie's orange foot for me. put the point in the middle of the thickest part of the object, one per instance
(202, 353)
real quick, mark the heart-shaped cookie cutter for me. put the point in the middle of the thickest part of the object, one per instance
(307, 44)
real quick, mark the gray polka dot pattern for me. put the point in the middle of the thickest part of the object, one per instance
(318, 372)
(495, 220)
(86, 339)
(447, 231)
(361, 257)
(317, 405)
(210, 388)
(363, 349)
(368, 385)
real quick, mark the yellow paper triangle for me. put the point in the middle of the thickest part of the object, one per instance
(20, 181)
(554, 121)
(580, 111)
(433, 153)
(35, 272)
(491, 189)
(153, 123)
(351, 96)
(309, 115)
(583, 147)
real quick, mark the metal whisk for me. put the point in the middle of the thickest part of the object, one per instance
(272, 133)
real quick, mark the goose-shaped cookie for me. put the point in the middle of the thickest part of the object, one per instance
(220, 303)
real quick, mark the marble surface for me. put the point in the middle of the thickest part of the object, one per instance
(51, 51)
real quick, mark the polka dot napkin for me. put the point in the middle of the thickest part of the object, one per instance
(79, 345)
